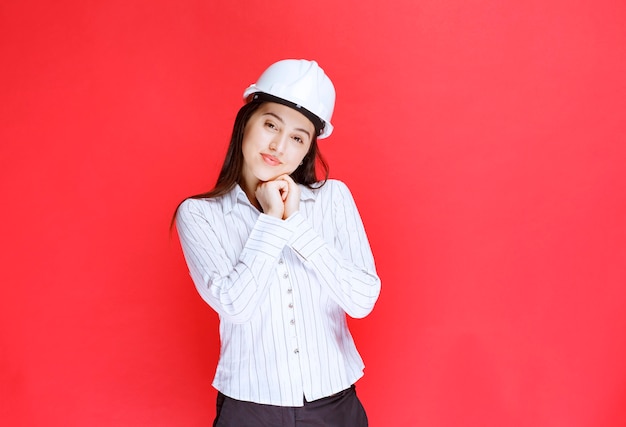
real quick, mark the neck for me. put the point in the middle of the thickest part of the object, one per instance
(250, 190)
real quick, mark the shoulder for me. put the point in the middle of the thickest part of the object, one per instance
(332, 192)
(192, 209)
(333, 188)
(329, 185)
(196, 205)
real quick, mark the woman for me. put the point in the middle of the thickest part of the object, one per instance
(282, 258)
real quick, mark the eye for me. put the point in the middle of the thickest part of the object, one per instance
(298, 140)
(270, 125)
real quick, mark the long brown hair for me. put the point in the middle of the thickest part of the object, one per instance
(230, 174)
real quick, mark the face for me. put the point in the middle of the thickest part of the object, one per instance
(276, 139)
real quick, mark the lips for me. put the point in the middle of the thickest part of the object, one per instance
(270, 160)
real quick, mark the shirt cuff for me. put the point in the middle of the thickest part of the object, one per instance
(304, 240)
(269, 236)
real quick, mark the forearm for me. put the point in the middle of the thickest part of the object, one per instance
(349, 276)
(232, 284)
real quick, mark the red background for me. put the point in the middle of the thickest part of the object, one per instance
(484, 142)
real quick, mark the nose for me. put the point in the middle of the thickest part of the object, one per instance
(277, 143)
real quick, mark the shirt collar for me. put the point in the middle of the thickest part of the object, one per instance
(230, 199)
(306, 193)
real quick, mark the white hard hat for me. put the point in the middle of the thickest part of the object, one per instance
(305, 87)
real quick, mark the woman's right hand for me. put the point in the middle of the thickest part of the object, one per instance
(271, 196)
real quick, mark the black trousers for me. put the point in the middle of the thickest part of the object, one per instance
(343, 409)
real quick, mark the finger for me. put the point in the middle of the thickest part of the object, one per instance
(287, 178)
(284, 191)
(288, 181)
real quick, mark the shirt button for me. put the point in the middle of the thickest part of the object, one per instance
(296, 351)
(293, 322)
(289, 290)
(285, 275)
(280, 261)
(290, 305)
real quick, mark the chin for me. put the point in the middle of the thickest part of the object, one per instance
(264, 177)
(269, 175)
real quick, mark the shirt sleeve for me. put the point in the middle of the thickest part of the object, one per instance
(233, 291)
(345, 269)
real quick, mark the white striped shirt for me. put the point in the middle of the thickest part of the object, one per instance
(282, 289)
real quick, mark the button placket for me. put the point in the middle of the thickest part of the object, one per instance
(283, 273)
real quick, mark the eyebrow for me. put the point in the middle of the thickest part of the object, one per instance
(280, 119)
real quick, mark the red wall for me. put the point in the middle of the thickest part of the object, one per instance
(484, 142)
